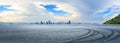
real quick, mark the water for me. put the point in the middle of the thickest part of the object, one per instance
(73, 33)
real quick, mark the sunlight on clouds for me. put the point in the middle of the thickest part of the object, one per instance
(64, 7)
(9, 19)
(69, 9)
(32, 11)
(78, 10)
(71, 17)
(11, 16)
(114, 15)
(63, 18)
(110, 12)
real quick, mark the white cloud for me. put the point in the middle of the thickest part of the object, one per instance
(80, 10)
(11, 16)
(64, 7)
(32, 11)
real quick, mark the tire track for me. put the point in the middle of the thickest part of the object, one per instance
(96, 36)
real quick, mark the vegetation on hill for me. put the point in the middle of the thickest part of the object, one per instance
(115, 20)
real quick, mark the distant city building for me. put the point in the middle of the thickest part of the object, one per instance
(69, 22)
(49, 22)
(41, 22)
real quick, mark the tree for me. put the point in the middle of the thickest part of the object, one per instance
(115, 20)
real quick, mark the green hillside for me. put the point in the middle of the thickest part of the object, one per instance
(115, 20)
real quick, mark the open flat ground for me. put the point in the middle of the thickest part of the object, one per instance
(72, 33)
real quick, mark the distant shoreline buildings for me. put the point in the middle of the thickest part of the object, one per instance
(41, 22)
(50, 22)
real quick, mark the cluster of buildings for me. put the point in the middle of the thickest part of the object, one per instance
(41, 22)
(50, 22)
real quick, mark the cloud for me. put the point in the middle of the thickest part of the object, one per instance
(98, 11)
(109, 13)
(4, 8)
(11, 16)
(64, 7)
(79, 10)
(32, 11)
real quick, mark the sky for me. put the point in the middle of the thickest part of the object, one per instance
(51, 8)
(84, 11)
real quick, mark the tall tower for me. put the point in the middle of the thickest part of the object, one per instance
(41, 22)
(69, 22)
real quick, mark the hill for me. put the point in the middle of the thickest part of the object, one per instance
(115, 20)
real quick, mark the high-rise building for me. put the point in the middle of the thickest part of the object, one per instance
(41, 22)
(69, 22)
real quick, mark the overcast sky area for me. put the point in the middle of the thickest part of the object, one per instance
(85, 11)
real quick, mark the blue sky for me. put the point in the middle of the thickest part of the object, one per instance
(51, 8)
(90, 11)
(4, 8)
(110, 11)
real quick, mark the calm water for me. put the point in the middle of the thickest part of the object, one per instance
(74, 33)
